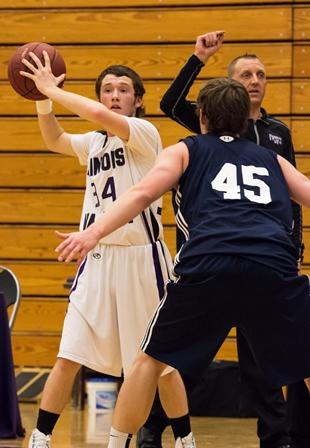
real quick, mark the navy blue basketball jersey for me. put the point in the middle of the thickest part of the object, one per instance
(233, 199)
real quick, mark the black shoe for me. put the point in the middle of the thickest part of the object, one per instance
(286, 445)
(147, 438)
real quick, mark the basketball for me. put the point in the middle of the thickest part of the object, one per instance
(25, 86)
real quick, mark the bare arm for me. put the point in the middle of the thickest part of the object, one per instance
(169, 167)
(298, 184)
(55, 138)
(86, 108)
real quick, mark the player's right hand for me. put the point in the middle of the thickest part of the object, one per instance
(208, 44)
(76, 245)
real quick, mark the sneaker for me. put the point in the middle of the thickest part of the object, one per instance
(186, 442)
(147, 438)
(39, 440)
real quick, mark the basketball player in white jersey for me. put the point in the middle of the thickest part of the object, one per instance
(120, 283)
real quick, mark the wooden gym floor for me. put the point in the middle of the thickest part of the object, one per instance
(89, 430)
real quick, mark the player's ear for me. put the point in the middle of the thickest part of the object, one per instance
(203, 122)
(138, 101)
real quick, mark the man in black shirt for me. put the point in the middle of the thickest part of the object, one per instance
(266, 131)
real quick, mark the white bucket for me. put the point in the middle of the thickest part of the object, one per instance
(101, 394)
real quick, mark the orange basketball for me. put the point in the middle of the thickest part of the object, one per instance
(25, 86)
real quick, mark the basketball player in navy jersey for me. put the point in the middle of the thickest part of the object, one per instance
(237, 266)
(120, 283)
(273, 425)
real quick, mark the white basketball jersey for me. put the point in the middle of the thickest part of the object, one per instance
(113, 166)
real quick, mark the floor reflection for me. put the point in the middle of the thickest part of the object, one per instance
(89, 429)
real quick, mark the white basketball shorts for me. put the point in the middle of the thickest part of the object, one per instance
(114, 295)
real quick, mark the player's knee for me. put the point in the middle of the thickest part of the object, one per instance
(146, 362)
(169, 378)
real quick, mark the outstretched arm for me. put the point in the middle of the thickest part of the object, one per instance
(86, 108)
(169, 167)
(298, 184)
(174, 102)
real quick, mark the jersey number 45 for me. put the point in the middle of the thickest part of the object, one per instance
(226, 181)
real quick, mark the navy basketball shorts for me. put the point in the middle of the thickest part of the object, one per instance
(271, 309)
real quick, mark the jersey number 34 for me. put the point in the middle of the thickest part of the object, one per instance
(226, 181)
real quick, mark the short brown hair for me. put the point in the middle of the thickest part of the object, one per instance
(123, 70)
(226, 105)
(232, 64)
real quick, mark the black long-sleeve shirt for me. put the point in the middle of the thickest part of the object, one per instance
(267, 131)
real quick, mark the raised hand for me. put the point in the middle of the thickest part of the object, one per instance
(208, 44)
(41, 74)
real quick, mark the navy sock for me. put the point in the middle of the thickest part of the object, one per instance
(46, 421)
(181, 426)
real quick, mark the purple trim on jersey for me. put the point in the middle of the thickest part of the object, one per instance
(147, 227)
(79, 273)
(159, 275)
(155, 225)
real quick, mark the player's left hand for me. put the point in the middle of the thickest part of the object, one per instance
(41, 74)
(76, 245)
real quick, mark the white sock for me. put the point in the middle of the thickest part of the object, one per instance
(119, 439)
